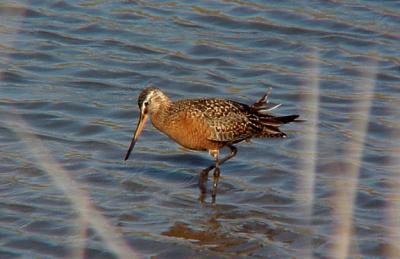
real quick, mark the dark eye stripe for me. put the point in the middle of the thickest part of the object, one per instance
(144, 94)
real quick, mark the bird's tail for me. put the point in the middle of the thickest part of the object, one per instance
(271, 126)
(287, 119)
(263, 105)
(269, 122)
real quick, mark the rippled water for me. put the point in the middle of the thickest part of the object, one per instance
(72, 70)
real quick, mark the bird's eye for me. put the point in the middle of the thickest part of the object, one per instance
(146, 103)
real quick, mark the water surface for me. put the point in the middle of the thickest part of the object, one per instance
(72, 70)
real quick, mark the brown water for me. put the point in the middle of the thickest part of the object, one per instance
(72, 70)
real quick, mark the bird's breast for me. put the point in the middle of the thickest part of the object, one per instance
(189, 131)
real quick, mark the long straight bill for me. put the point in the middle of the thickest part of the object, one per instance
(139, 128)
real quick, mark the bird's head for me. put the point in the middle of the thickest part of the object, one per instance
(149, 101)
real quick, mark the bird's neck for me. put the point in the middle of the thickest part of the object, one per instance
(161, 115)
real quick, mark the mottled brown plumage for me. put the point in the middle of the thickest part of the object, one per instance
(208, 123)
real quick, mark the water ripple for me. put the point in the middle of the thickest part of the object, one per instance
(72, 70)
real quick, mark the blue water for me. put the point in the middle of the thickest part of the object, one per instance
(72, 70)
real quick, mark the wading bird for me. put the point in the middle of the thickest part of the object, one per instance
(208, 124)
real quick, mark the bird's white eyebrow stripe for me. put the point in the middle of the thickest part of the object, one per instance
(148, 97)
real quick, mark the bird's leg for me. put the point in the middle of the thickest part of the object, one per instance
(202, 184)
(204, 176)
(233, 152)
(216, 175)
(204, 173)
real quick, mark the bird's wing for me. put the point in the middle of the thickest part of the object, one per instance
(228, 120)
(233, 122)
